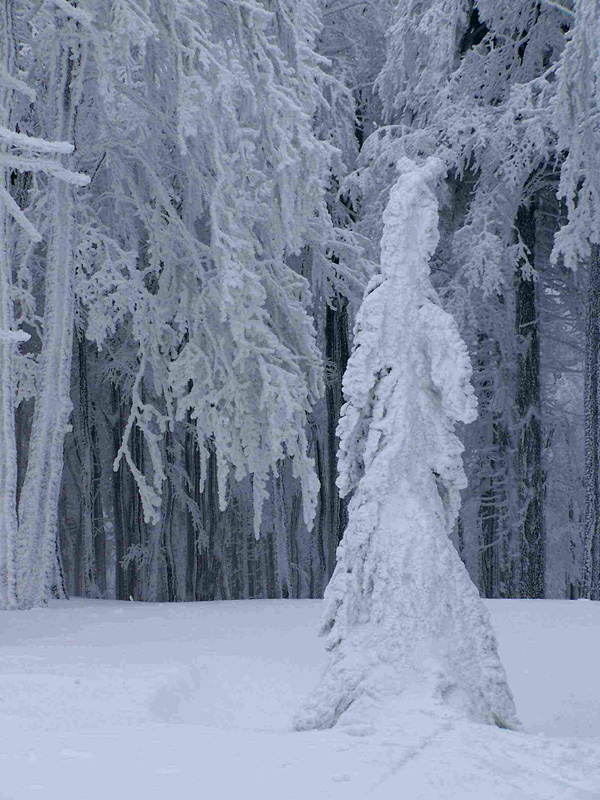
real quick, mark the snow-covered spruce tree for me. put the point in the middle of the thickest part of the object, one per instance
(402, 617)
(577, 120)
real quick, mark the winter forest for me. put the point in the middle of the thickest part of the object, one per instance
(300, 304)
(191, 209)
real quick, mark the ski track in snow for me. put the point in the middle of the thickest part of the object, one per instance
(127, 700)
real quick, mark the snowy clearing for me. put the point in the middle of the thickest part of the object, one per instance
(104, 699)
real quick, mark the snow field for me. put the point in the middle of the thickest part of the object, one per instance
(124, 700)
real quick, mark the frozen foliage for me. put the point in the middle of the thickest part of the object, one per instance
(423, 49)
(215, 208)
(206, 279)
(577, 121)
(402, 615)
(185, 258)
(487, 109)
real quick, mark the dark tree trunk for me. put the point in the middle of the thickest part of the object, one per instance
(192, 467)
(168, 511)
(591, 549)
(530, 472)
(92, 528)
(337, 352)
(123, 587)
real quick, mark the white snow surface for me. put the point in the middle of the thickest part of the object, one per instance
(124, 700)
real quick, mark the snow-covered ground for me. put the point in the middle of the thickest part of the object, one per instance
(114, 700)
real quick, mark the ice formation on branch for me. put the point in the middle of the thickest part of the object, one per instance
(401, 615)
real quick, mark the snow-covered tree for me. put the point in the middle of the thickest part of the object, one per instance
(39, 500)
(402, 618)
(205, 145)
(472, 83)
(25, 555)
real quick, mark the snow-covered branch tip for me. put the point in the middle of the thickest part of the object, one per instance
(23, 141)
(19, 217)
(77, 14)
(10, 82)
(559, 7)
(52, 168)
(15, 337)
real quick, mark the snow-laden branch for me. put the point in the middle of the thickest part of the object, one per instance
(18, 216)
(559, 7)
(15, 337)
(253, 8)
(78, 14)
(39, 165)
(17, 85)
(340, 9)
(32, 143)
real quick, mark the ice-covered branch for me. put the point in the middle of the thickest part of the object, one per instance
(17, 85)
(32, 143)
(78, 14)
(559, 7)
(39, 165)
(18, 216)
(15, 337)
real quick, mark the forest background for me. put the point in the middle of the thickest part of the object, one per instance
(191, 206)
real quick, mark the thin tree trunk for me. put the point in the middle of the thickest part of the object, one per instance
(337, 352)
(488, 512)
(591, 543)
(192, 465)
(8, 448)
(117, 496)
(92, 529)
(38, 508)
(166, 554)
(532, 538)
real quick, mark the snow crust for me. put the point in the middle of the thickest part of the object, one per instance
(102, 699)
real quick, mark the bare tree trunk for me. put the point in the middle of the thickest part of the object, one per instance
(118, 493)
(92, 529)
(337, 352)
(192, 468)
(591, 543)
(532, 538)
(168, 510)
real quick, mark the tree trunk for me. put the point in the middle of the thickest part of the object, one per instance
(38, 507)
(38, 510)
(591, 542)
(92, 531)
(336, 353)
(8, 448)
(532, 535)
(165, 556)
